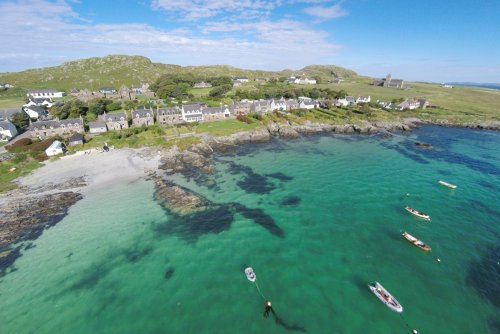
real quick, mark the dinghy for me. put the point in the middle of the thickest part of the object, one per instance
(420, 244)
(418, 213)
(446, 184)
(250, 274)
(385, 297)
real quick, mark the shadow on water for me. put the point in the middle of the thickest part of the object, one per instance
(282, 323)
(484, 275)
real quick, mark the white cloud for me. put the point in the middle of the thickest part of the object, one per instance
(39, 33)
(326, 13)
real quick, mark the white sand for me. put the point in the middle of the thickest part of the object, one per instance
(100, 169)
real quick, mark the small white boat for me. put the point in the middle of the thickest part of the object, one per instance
(385, 297)
(418, 213)
(446, 184)
(250, 274)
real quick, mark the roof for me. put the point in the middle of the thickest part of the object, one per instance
(7, 113)
(142, 113)
(308, 103)
(55, 145)
(76, 137)
(38, 109)
(192, 107)
(261, 103)
(115, 117)
(93, 125)
(236, 78)
(107, 88)
(213, 110)
(168, 111)
(38, 91)
(5, 124)
(56, 123)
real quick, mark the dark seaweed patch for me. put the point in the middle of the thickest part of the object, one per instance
(91, 277)
(280, 176)
(256, 184)
(135, 254)
(484, 275)
(487, 185)
(261, 218)
(291, 200)
(8, 260)
(169, 273)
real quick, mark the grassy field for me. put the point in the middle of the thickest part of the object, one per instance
(226, 127)
(22, 168)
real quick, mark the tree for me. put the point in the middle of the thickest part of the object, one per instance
(20, 119)
(220, 81)
(219, 91)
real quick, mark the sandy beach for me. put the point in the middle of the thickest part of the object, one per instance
(99, 169)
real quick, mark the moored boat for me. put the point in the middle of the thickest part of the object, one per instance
(446, 184)
(420, 244)
(250, 274)
(385, 297)
(418, 213)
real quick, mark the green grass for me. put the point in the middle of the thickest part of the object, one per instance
(226, 127)
(22, 168)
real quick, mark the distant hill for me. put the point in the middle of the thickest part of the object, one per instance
(117, 70)
(475, 84)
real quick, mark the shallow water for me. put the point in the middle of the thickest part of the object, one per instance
(317, 219)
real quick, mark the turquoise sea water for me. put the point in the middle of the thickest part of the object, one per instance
(322, 218)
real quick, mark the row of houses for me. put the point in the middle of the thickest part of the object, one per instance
(407, 104)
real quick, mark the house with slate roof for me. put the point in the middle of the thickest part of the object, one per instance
(45, 129)
(215, 113)
(6, 114)
(142, 117)
(76, 139)
(278, 104)
(7, 130)
(291, 104)
(261, 107)
(97, 127)
(308, 104)
(115, 121)
(192, 112)
(107, 90)
(36, 112)
(241, 108)
(241, 79)
(42, 93)
(169, 116)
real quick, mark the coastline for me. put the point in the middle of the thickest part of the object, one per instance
(51, 190)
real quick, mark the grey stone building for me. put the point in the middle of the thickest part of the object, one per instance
(65, 127)
(169, 116)
(142, 117)
(115, 121)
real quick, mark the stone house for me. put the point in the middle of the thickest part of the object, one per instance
(261, 107)
(279, 105)
(35, 112)
(241, 79)
(107, 90)
(215, 113)
(408, 104)
(291, 104)
(97, 127)
(241, 108)
(142, 117)
(364, 99)
(115, 121)
(76, 139)
(168, 116)
(45, 129)
(389, 82)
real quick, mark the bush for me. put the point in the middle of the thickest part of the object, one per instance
(255, 116)
(20, 143)
(244, 119)
(19, 157)
(159, 132)
(41, 157)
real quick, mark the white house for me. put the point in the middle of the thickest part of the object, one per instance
(44, 93)
(7, 130)
(408, 104)
(35, 112)
(307, 104)
(342, 102)
(55, 148)
(47, 101)
(305, 81)
(351, 100)
(364, 99)
(107, 90)
(278, 104)
(241, 79)
(192, 112)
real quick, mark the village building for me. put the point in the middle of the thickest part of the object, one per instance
(215, 113)
(279, 105)
(241, 79)
(107, 90)
(305, 104)
(261, 107)
(342, 102)
(6, 114)
(142, 117)
(236, 83)
(291, 104)
(350, 100)
(408, 104)
(384, 104)
(97, 127)
(45, 129)
(55, 148)
(44, 93)
(202, 85)
(169, 116)
(305, 81)
(363, 99)
(241, 108)
(424, 103)
(337, 81)
(7, 130)
(192, 112)
(389, 82)
(261, 79)
(76, 139)
(115, 121)
(35, 112)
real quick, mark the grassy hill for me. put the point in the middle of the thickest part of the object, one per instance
(117, 70)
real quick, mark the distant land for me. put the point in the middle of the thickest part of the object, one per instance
(476, 84)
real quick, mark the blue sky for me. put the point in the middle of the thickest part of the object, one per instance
(415, 40)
